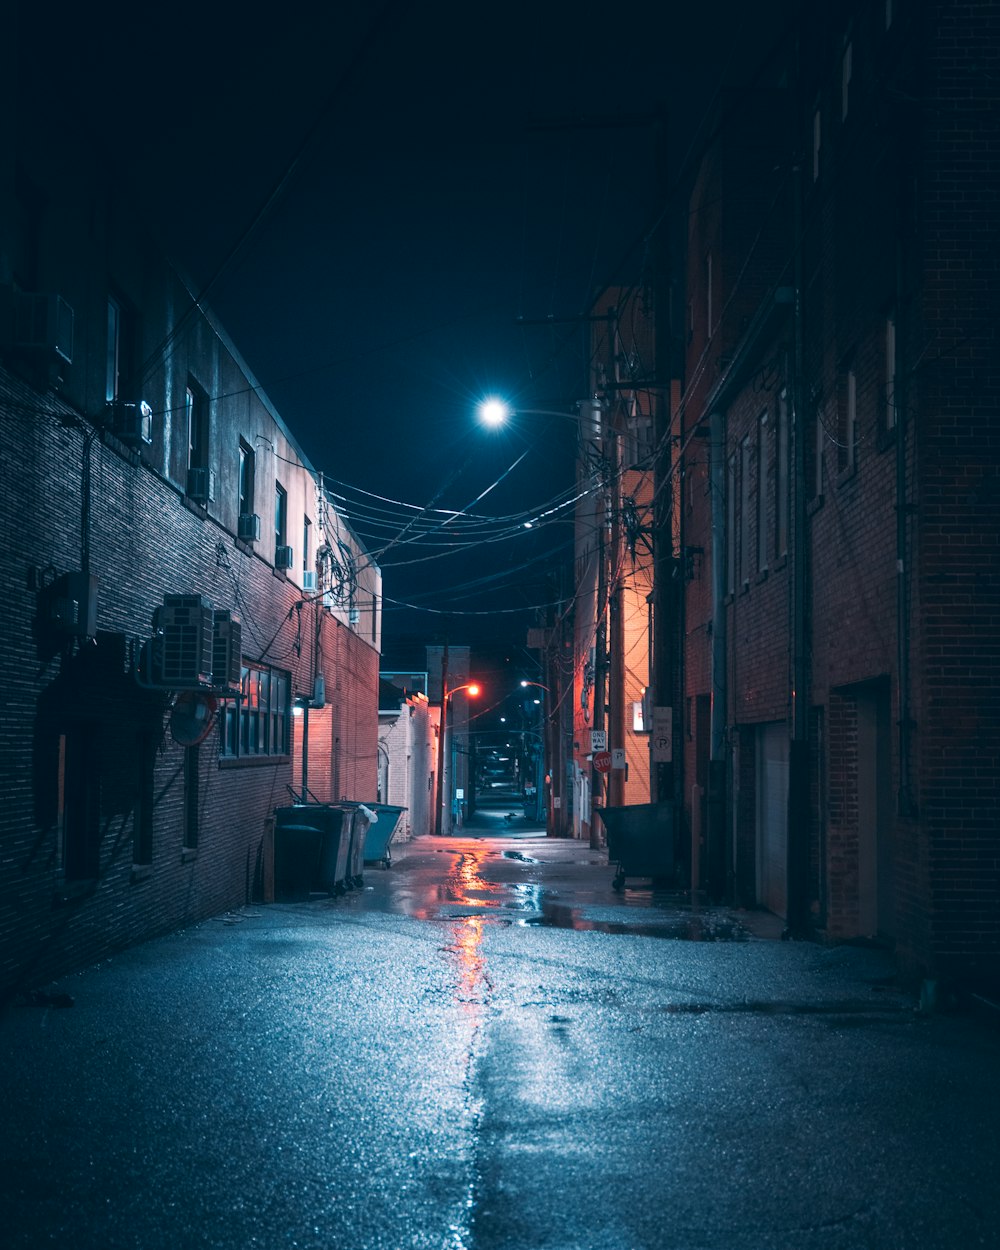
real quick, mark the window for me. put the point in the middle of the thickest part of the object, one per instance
(762, 446)
(247, 466)
(730, 553)
(256, 724)
(847, 426)
(890, 373)
(113, 370)
(781, 477)
(122, 346)
(819, 445)
(196, 404)
(846, 69)
(121, 361)
(306, 545)
(746, 457)
(280, 515)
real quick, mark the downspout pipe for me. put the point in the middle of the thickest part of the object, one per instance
(716, 832)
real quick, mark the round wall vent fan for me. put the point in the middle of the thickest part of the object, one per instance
(192, 718)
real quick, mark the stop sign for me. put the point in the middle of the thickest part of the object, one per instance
(602, 761)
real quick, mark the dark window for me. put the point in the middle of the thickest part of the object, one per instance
(732, 483)
(247, 467)
(763, 443)
(112, 372)
(280, 515)
(847, 420)
(196, 403)
(746, 460)
(890, 372)
(781, 477)
(122, 363)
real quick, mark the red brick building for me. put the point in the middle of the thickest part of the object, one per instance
(181, 597)
(839, 457)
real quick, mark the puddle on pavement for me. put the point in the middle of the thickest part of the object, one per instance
(465, 897)
(689, 928)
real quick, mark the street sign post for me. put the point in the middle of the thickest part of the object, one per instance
(663, 735)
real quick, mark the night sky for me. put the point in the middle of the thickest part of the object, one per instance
(379, 202)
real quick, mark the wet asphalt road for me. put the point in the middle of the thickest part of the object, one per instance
(482, 1052)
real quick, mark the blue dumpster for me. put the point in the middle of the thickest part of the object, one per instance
(381, 833)
(311, 849)
(640, 840)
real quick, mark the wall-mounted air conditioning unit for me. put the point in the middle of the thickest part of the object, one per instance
(309, 580)
(131, 422)
(198, 485)
(181, 652)
(227, 652)
(43, 325)
(283, 557)
(248, 527)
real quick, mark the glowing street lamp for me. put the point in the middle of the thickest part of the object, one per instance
(496, 412)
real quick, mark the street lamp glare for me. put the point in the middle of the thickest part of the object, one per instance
(493, 412)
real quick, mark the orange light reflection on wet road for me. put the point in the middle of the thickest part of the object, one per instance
(467, 886)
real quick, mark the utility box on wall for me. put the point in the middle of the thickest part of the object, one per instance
(69, 605)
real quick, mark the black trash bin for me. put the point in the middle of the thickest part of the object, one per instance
(311, 847)
(640, 840)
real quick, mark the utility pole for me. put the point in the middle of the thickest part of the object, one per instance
(442, 743)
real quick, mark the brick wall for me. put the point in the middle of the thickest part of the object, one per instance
(144, 541)
(956, 390)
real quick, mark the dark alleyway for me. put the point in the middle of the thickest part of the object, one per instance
(488, 1048)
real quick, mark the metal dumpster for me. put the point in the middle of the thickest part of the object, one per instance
(311, 847)
(380, 834)
(358, 814)
(640, 840)
(364, 824)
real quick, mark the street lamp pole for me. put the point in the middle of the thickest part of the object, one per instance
(548, 762)
(443, 743)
